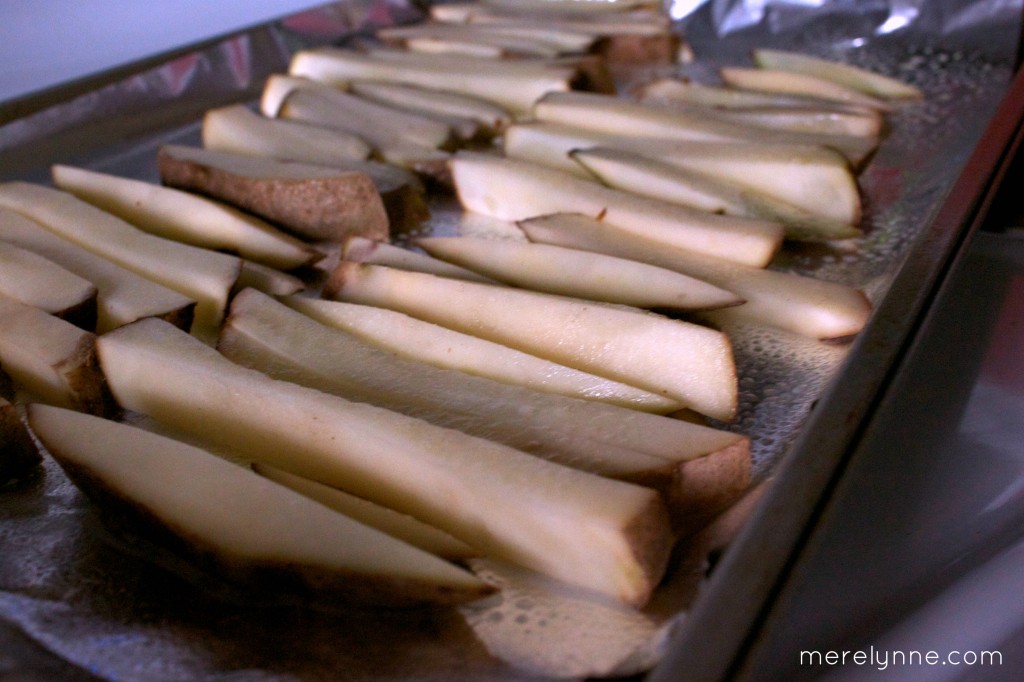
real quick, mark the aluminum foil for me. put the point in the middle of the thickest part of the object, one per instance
(117, 608)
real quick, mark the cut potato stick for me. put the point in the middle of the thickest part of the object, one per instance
(815, 179)
(485, 46)
(597, 438)
(380, 125)
(804, 305)
(658, 180)
(491, 117)
(268, 280)
(700, 94)
(677, 359)
(865, 81)
(236, 128)
(314, 201)
(400, 526)
(184, 217)
(18, 452)
(362, 250)
(550, 42)
(515, 190)
(589, 531)
(123, 296)
(618, 116)
(513, 89)
(866, 124)
(36, 281)
(790, 83)
(442, 347)
(53, 359)
(239, 523)
(205, 276)
(570, 272)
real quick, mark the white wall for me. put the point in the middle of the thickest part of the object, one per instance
(47, 42)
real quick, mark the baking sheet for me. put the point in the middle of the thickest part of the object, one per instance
(105, 606)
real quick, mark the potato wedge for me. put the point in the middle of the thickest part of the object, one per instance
(34, 280)
(687, 362)
(205, 276)
(236, 128)
(240, 524)
(589, 531)
(803, 305)
(556, 270)
(490, 118)
(362, 250)
(509, 189)
(268, 280)
(400, 526)
(123, 295)
(868, 82)
(52, 359)
(439, 346)
(184, 217)
(801, 84)
(313, 201)
(601, 439)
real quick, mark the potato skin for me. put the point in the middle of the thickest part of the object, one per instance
(315, 208)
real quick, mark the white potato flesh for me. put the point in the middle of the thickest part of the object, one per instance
(470, 117)
(400, 526)
(586, 530)
(513, 89)
(677, 359)
(791, 83)
(123, 295)
(868, 82)
(815, 179)
(238, 129)
(689, 92)
(363, 250)
(37, 281)
(181, 216)
(602, 439)
(510, 189)
(619, 116)
(205, 276)
(244, 519)
(653, 178)
(570, 272)
(439, 346)
(804, 305)
(53, 359)
(866, 124)
(268, 280)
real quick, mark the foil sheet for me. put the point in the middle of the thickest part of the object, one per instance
(114, 607)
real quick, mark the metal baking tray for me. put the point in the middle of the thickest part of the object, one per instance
(94, 602)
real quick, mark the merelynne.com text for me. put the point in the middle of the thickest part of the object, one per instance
(882, 659)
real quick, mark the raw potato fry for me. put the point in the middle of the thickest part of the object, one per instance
(674, 90)
(205, 276)
(313, 201)
(815, 179)
(399, 526)
(39, 282)
(652, 178)
(442, 347)
(515, 190)
(512, 88)
(868, 82)
(570, 272)
(803, 305)
(677, 359)
(238, 129)
(592, 532)
(362, 250)
(123, 295)
(601, 439)
(546, 43)
(790, 83)
(184, 217)
(240, 524)
(465, 128)
(617, 116)
(493, 118)
(53, 359)
(268, 280)
(380, 125)
(866, 124)
(18, 452)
